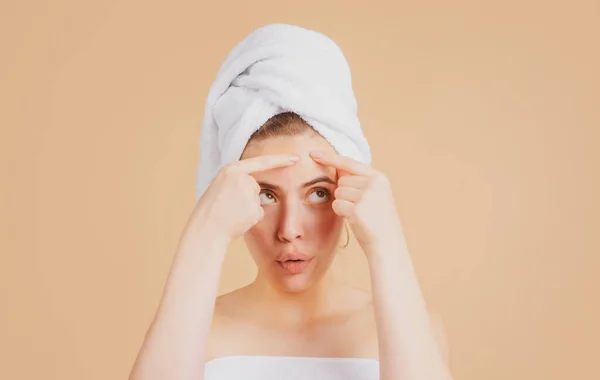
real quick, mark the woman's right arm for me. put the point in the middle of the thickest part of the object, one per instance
(175, 344)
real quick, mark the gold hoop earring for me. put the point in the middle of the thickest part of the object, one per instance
(347, 235)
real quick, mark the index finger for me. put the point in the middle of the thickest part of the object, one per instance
(344, 163)
(270, 161)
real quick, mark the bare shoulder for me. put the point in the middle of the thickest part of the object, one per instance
(224, 323)
(228, 303)
(362, 327)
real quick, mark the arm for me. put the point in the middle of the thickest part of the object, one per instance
(407, 342)
(175, 344)
(176, 340)
(408, 348)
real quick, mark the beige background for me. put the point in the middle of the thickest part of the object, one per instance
(485, 117)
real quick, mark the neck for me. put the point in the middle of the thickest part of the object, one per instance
(296, 308)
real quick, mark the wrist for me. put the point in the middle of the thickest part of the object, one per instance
(203, 226)
(388, 242)
(390, 254)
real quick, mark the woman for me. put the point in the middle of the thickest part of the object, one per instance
(289, 195)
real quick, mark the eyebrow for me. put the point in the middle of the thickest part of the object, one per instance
(307, 184)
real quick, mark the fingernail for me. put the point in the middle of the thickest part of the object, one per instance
(294, 158)
(316, 154)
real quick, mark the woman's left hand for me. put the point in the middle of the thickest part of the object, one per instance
(364, 197)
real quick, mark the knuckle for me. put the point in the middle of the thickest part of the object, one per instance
(228, 170)
(369, 181)
(258, 215)
(380, 178)
(254, 185)
(337, 192)
(249, 186)
(335, 204)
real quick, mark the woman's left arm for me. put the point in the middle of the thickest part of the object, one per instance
(409, 346)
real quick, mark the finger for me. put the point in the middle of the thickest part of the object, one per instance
(271, 161)
(342, 207)
(344, 163)
(356, 181)
(351, 194)
(260, 214)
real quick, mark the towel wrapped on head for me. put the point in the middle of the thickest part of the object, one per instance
(279, 68)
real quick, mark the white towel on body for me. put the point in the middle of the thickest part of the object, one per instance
(279, 68)
(247, 367)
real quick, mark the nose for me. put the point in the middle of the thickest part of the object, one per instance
(290, 224)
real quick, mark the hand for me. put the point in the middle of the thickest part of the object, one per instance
(364, 197)
(231, 204)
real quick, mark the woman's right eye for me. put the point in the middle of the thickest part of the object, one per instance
(266, 197)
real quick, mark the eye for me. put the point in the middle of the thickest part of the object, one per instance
(319, 195)
(266, 197)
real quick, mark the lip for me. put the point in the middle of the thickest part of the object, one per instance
(295, 267)
(293, 256)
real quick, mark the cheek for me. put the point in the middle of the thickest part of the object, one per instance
(324, 223)
(260, 237)
(259, 234)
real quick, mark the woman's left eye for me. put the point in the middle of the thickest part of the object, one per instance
(319, 196)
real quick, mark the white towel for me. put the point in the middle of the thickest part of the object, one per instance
(279, 68)
(250, 367)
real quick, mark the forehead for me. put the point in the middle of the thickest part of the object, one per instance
(300, 144)
(304, 170)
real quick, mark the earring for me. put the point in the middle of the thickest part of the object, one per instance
(347, 235)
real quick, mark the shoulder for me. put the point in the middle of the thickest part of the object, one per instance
(224, 324)
(362, 325)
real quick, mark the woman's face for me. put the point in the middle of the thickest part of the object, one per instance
(298, 222)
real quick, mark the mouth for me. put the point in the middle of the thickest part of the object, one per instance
(294, 266)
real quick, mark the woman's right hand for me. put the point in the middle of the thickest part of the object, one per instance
(231, 203)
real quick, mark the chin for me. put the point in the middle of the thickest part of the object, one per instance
(295, 282)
